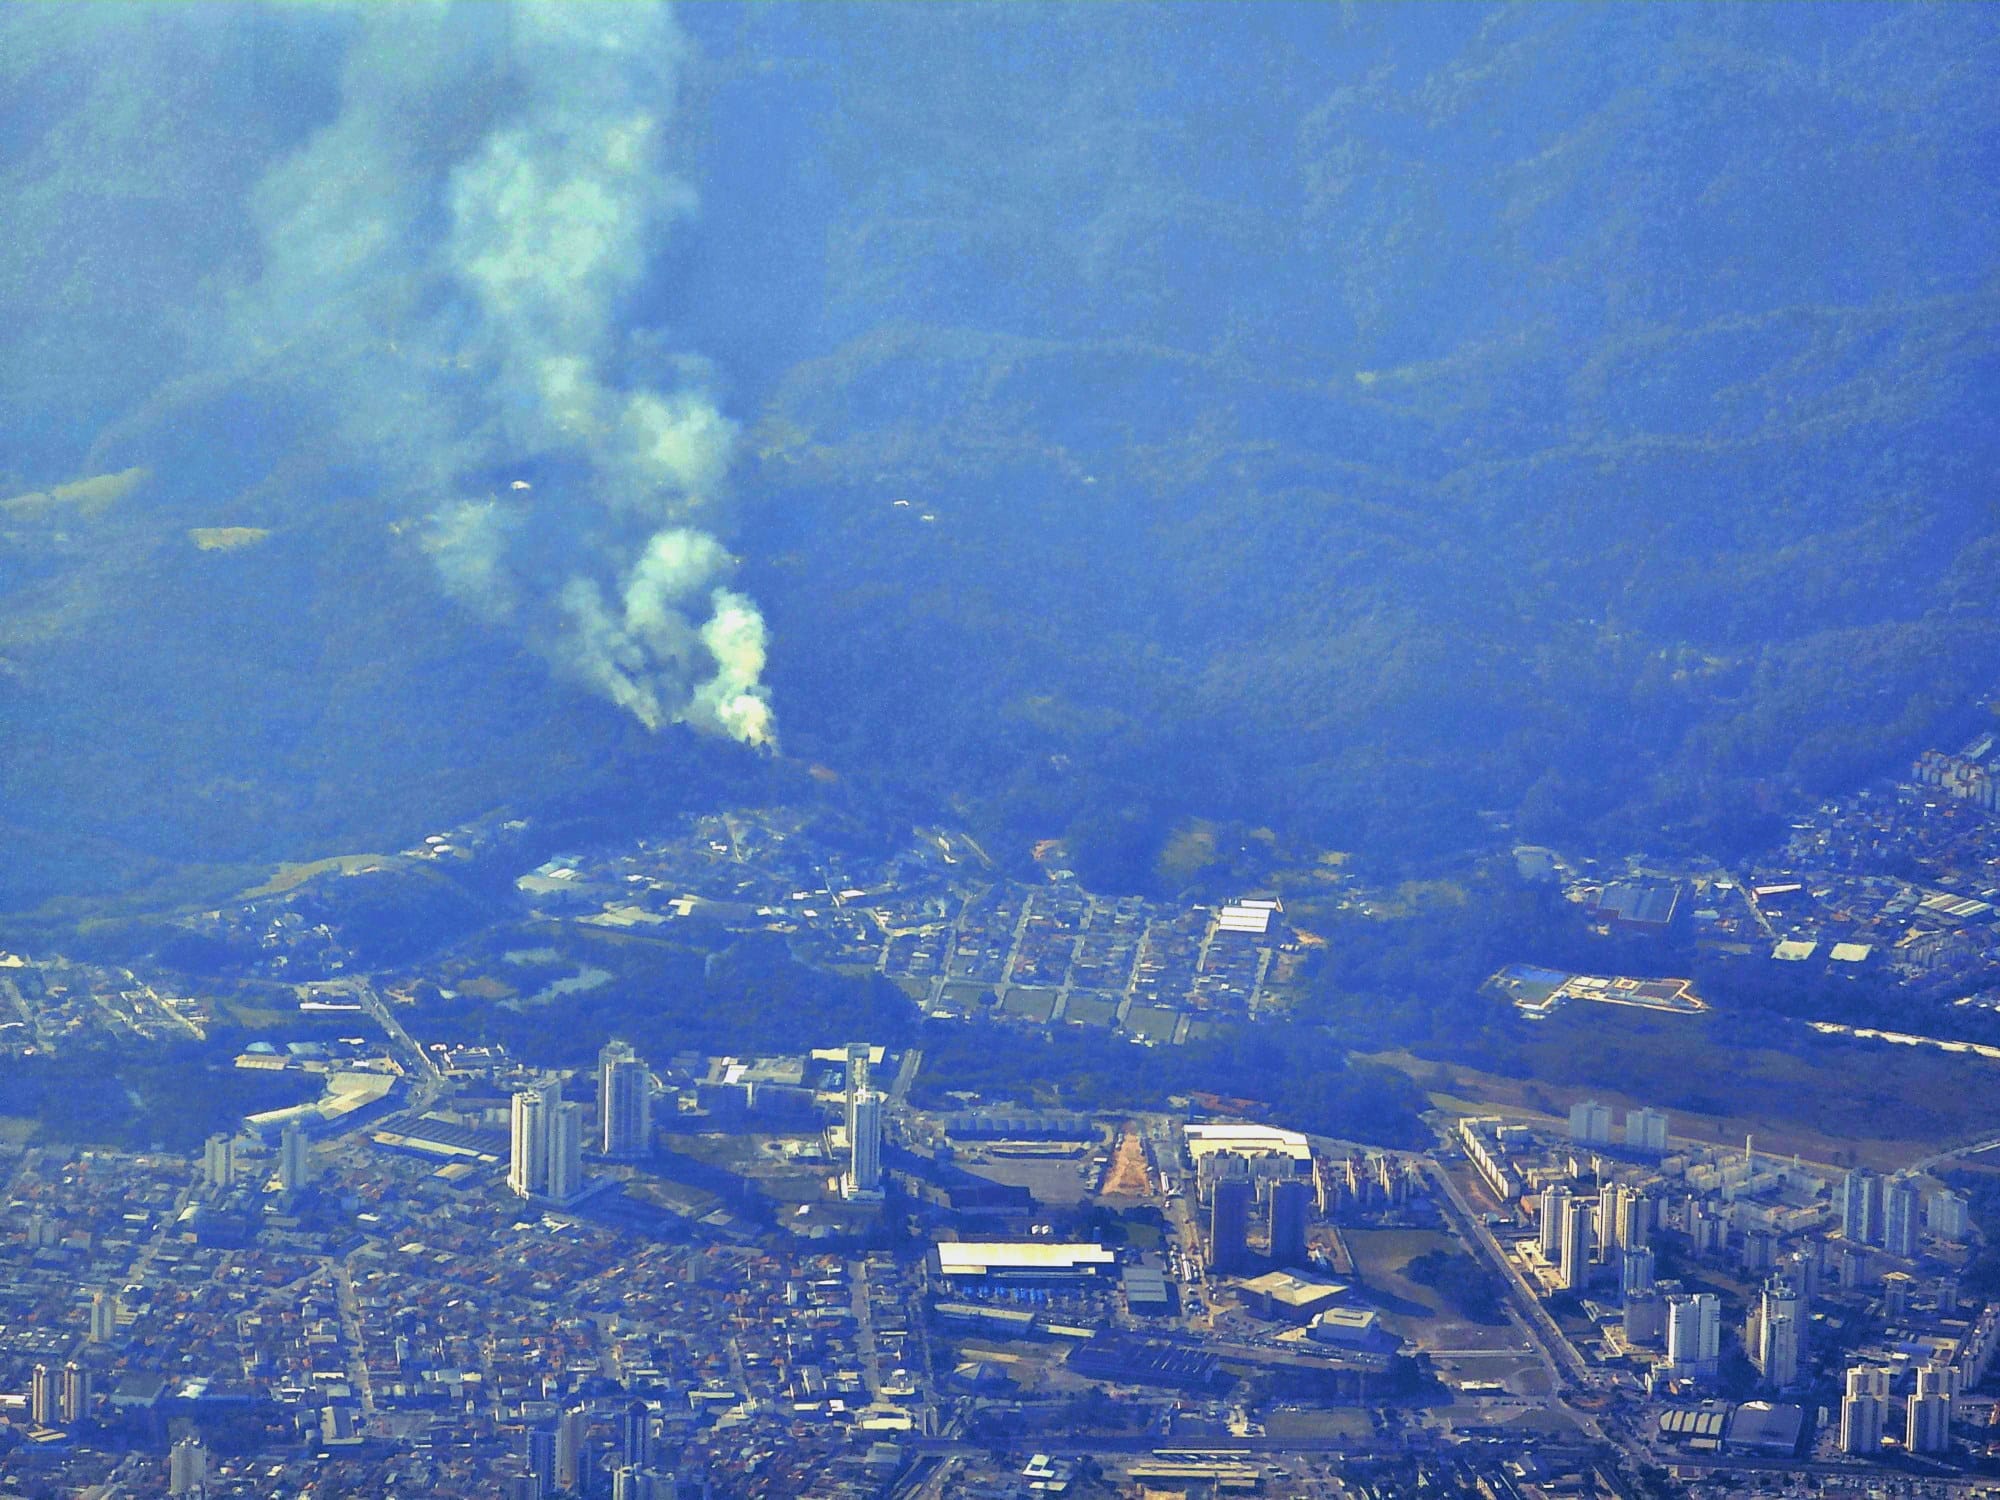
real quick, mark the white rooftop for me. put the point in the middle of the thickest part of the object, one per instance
(970, 1257)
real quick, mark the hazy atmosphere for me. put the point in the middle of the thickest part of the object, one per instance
(1039, 648)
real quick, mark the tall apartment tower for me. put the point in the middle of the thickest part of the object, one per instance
(1927, 1417)
(546, 1159)
(74, 1393)
(1864, 1409)
(1636, 1273)
(218, 1161)
(572, 1462)
(1229, 1224)
(1949, 1216)
(565, 1183)
(103, 1317)
(187, 1466)
(1861, 1207)
(624, 1103)
(43, 1396)
(1901, 1222)
(528, 1161)
(864, 1144)
(294, 1157)
(1573, 1263)
(1590, 1123)
(1645, 1130)
(1694, 1334)
(1554, 1205)
(1287, 1222)
(1780, 1344)
(858, 1054)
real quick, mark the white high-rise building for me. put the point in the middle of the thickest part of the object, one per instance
(858, 1054)
(1927, 1417)
(294, 1157)
(864, 1146)
(1694, 1334)
(565, 1182)
(624, 1103)
(1861, 1207)
(546, 1159)
(75, 1393)
(1645, 1130)
(218, 1161)
(43, 1397)
(103, 1317)
(1949, 1216)
(528, 1160)
(1636, 1273)
(1864, 1409)
(1573, 1264)
(1901, 1217)
(1780, 1334)
(187, 1467)
(1590, 1123)
(571, 1461)
(1554, 1205)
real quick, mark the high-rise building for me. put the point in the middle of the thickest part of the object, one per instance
(642, 1484)
(1553, 1208)
(572, 1462)
(565, 1182)
(74, 1393)
(1573, 1258)
(546, 1158)
(1645, 1130)
(1610, 1218)
(1287, 1222)
(624, 1103)
(187, 1466)
(1636, 1273)
(1694, 1334)
(635, 1436)
(528, 1162)
(864, 1145)
(294, 1157)
(1864, 1409)
(218, 1161)
(1781, 1334)
(1861, 1207)
(103, 1317)
(1949, 1216)
(43, 1398)
(1901, 1227)
(539, 1448)
(1927, 1417)
(1637, 1228)
(1229, 1224)
(858, 1054)
(1590, 1123)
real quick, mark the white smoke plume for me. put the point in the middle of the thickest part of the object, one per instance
(450, 260)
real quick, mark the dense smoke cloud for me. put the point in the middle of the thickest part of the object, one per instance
(445, 268)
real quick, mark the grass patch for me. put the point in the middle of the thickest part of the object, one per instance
(1091, 1010)
(1031, 1005)
(1154, 1022)
(290, 876)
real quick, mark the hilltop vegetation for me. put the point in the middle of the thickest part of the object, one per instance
(1341, 423)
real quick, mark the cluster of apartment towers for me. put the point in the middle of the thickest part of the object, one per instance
(1578, 1231)
(546, 1160)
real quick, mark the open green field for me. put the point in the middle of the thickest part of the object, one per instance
(1831, 1100)
(963, 995)
(1091, 1010)
(1030, 1005)
(1154, 1022)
